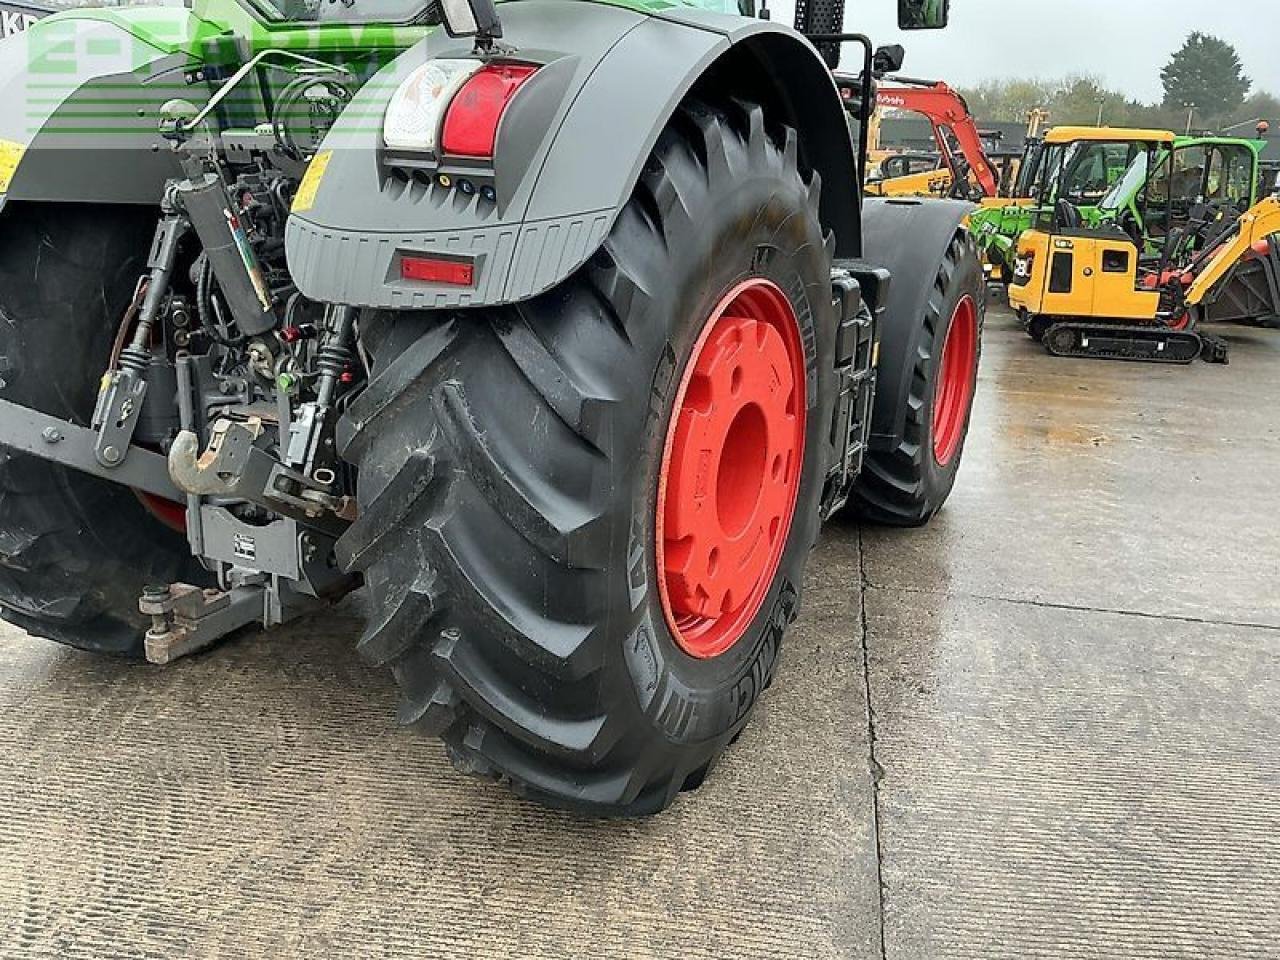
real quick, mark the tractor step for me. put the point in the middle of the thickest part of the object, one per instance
(1112, 341)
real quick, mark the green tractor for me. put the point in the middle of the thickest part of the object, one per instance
(557, 326)
(1106, 175)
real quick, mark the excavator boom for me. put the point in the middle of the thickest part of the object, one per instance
(954, 131)
(1256, 234)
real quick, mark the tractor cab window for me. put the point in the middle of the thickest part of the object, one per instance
(1129, 185)
(1187, 181)
(1093, 170)
(1199, 174)
(1081, 174)
(324, 11)
(1229, 177)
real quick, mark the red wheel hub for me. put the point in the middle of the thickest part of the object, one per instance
(953, 395)
(172, 515)
(731, 468)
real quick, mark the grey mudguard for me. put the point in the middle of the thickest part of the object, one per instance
(569, 152)
(910, 237)
(82, 95)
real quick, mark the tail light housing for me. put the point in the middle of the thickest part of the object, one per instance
(412, 120)
(453, 107)
(471, 122)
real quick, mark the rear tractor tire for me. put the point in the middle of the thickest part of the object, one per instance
(584, 519)
(75, 551)
(905, 486)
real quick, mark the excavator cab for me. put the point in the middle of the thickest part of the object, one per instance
(1073, 261)
(962, 169)
(1111, 261)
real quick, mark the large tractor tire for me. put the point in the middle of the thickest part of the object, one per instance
(906, 485)
(584, 519)
(75, 551)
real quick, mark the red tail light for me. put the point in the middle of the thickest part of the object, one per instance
(471, 123)
(459, 273)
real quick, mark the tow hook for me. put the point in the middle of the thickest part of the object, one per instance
(233, 466)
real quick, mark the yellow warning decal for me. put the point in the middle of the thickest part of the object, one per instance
(306, 195)
(10, 156)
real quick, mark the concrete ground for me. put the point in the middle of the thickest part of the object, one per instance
(1071, 748)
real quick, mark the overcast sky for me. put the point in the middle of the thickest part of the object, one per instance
(1125, 42)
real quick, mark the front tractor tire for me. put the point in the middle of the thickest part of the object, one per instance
(584, 519)
(906, 484)
(75, 550)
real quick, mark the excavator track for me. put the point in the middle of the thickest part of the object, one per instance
(1113, 341)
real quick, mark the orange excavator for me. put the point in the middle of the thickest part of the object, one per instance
(963, 169)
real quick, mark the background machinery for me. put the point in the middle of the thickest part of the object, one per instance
(560, 331)
(1176, 240)
(1087, 161)
(961, 168)
(1094, 157)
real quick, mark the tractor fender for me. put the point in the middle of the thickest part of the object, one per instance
(80, 95)
(910, 238)
(569, 151)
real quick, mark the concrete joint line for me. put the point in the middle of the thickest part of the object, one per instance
(877, 771)
(1080, 608)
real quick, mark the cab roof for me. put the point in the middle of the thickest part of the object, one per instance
(1107, 134)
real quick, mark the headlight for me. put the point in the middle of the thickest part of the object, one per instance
(412, 121)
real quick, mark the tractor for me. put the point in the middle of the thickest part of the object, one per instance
(559, 327)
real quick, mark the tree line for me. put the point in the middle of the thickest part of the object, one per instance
(1205, 71)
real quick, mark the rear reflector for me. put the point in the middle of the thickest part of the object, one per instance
(459, 273)
(471, 123)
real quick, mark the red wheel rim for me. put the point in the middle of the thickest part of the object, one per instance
(172, 515)
(954, 393)
(731, 468)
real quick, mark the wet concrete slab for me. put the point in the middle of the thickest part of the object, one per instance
(1075, 670)
(1074, 784)
(1073, 689)
(1113, 485)
(258, 801)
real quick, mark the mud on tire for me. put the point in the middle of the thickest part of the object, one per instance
(508, 464)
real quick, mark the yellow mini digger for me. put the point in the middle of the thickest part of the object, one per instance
(1178, 240)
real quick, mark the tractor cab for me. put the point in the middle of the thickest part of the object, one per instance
(1221, 174)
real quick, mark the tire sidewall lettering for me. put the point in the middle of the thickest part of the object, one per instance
(693, 700)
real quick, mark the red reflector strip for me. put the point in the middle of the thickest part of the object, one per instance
(471, 123)
(459, 273)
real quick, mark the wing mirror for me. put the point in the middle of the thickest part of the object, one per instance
(888, 59)
(923, 14)
(471, 18)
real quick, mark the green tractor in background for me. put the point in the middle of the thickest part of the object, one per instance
(1104, 173)
(558, 326)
